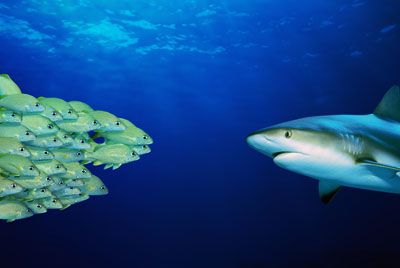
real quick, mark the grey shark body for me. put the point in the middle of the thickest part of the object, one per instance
(360, 151)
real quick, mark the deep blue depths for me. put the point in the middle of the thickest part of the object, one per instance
(199, 76)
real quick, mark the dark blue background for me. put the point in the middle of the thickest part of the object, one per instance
(203, 198)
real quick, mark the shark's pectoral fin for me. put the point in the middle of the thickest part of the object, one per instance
(389, 107)
(378, 169)
(327, 190)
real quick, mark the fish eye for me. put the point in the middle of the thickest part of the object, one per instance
(48, 179)
(43, 190)
(103, 187)
(46, 152)
(82, 141)
(31, 168)
(21, 149)
(71, 188)
(61, 183)
(58, 166)
(80, 194)
(133, 153)
(27, 133)
(95, 122)
(39, 206)
(13, 185)
(145, 137)
(83, 170)
(78, 154)
(144, 146)
(49, 126)
(13, 114)
(288, 134)
(117, 123)
(37, 104)
(69, 111)
(65, 136)
(54, 140)
(54, 201)
(53, 113)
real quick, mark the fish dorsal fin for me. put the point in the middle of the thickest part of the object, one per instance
(389, 107)
(6, 76)
(327, 190)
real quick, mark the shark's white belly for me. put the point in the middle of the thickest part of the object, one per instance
(341, 169)
(360, 177)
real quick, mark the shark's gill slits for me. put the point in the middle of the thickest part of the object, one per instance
(351, 143)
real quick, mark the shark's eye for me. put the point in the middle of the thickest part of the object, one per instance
(288, 134)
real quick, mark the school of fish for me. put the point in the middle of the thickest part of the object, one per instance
(45, 144)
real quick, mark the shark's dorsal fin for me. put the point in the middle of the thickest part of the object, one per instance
(389, 107)
(327, 190)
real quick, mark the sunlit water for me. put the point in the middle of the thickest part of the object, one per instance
(199, 76)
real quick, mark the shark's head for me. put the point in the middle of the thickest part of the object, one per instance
(297, 148)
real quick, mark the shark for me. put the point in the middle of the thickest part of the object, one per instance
(358, 151)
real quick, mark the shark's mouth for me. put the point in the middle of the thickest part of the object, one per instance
(279, 153)
(274, 155)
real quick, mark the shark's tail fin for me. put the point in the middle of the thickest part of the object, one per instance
(389, 107)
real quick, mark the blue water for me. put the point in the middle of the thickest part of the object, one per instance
(199, 76)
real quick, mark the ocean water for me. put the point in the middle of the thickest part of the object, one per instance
(199, 76)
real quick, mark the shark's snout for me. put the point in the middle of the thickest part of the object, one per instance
(259, 142)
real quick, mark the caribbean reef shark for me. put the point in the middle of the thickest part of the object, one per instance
(359, 151)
